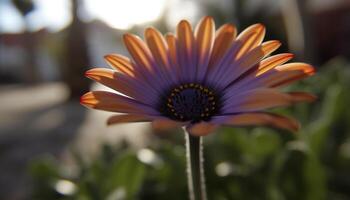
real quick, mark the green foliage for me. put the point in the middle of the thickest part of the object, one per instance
(241, 163)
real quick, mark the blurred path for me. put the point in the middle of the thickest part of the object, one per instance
(33, 121)
(36, 120)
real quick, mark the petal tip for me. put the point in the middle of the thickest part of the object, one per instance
(84, 100)
(208, 18)
(184, 25)
(127, 37)
(259, 27)
(229, 28)
(311, 71)
(289, 55)
(107, 56)
(276, 42)
(149, 31)
(88, 73)
(308, 69)
(91, 72)
(184, 21)
(109, 122)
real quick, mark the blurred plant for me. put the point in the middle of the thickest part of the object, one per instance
(241, 164)
(116, 174)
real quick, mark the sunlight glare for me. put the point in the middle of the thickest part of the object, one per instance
(65, 187)
(54, 15)
(121, 14)
(10, 19)
(182, 9)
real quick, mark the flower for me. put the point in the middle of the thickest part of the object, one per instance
(199, 79)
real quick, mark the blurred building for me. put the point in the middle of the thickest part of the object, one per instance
(13, 56)
(331, 29)
(48, 48)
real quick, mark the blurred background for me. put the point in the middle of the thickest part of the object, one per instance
(53, 148)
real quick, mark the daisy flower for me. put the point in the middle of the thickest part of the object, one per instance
(199, 79)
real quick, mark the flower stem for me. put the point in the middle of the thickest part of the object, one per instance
(195, 169)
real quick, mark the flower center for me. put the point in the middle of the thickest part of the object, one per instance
(191, 102)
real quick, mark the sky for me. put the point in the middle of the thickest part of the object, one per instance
(120, 14)
(55, 15)
(51, 14)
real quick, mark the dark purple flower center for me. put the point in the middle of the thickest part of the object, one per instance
(191, 102)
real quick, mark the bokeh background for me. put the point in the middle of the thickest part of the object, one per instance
(53, 148)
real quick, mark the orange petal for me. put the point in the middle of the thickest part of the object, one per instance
(112, 79)
(158, 46)
(223, 40)
(201, 129)
(144, 62)
(284, 74)
(250, 38)
(257, 99)
(270, 79)
(164, 124)
(120, 63)
(258, 119)
(281, 79)
(115, 103)
(204, 38)
(223, 64)
(126, 118)
(270, 46)
(246, 62)
(306, 68)
(138, 51)
(254, 56)
(186, 51)
(302, 97)
(172, 51)
(185, 36)
(272, 62)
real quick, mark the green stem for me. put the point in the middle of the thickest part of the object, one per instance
(195, 169)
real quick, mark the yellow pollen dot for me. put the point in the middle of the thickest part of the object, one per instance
(190, 101)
